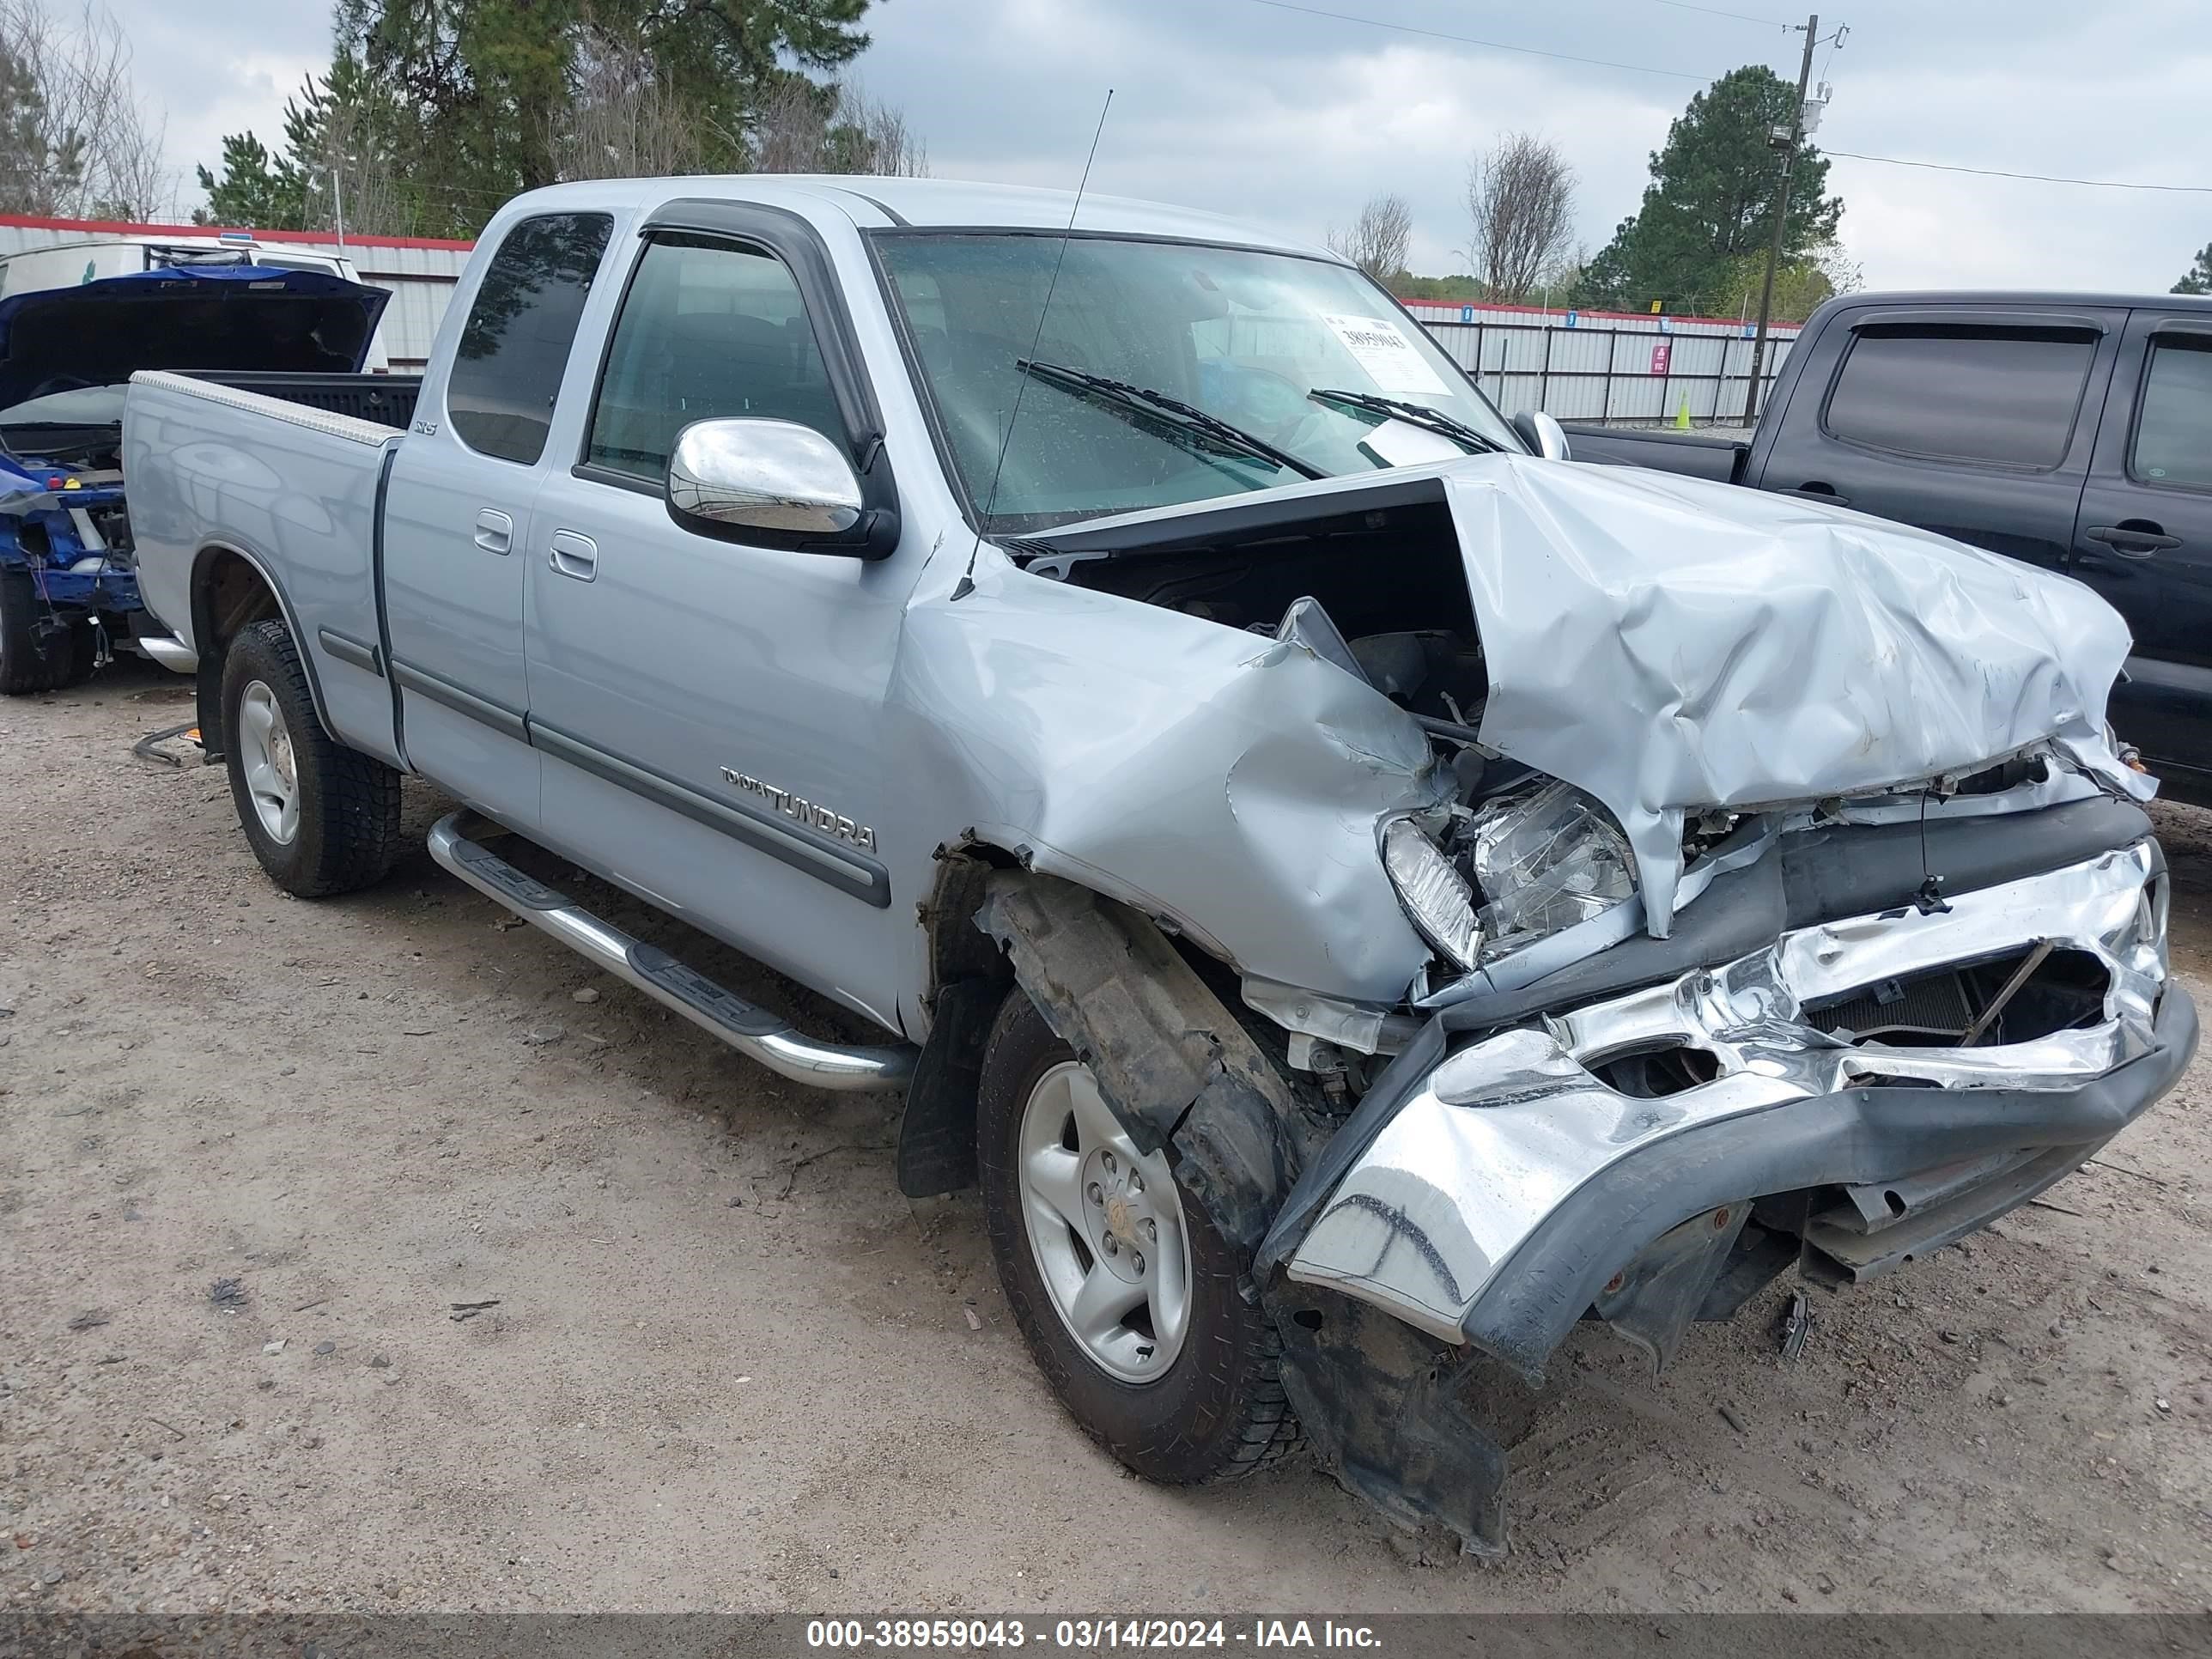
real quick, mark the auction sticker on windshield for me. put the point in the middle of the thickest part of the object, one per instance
(1380, 347)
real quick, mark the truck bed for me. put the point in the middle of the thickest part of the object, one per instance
(385, 399)
(243, 462)
(1695, 454)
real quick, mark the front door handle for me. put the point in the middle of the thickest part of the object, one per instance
(494, 531)
(574, 556)
(1813, 490)
(2133, 539)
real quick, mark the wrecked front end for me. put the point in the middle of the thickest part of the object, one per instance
(1785, 907)
(1856, 1093)
(65, 550)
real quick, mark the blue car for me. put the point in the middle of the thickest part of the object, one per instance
(69, 587)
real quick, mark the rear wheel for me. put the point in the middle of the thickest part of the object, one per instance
(322, 818)
(37, 649)
(1137, 1310)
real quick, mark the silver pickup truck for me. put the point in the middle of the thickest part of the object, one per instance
(1359, 892)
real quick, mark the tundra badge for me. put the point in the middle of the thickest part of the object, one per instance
(797, 807)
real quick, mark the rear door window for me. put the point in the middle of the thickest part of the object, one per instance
(514, 347)
(2173, 432)
(2009, 397)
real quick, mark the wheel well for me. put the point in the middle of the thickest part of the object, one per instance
(229, 593)
(958, 949)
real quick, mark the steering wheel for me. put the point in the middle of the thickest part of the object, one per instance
(1274, 406)
(60, 383)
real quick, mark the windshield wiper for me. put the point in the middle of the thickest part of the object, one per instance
(1421, 415)
(1168, 414)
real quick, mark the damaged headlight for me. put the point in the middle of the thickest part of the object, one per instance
(1545, 862)
(1436, 895)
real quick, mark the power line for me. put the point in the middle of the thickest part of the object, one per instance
(1469, 40)
(1715, 11)
(2038, 177)
(1679, 75)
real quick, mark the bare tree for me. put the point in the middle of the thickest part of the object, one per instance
(791, 128)
(73, 141)
(1380, 238)
(622, 121)
(1563, 274)
(802, 127)
(894, 150)
(1844, 274)
(358, 173)
(1521, 197)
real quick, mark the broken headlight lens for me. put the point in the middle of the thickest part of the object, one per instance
(1546, 861)
(1436, 896)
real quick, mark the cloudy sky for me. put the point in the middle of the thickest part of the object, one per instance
(1271, 112)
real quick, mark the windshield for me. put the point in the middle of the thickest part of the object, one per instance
(1246, 337)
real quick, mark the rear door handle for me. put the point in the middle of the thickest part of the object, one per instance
(1813, 490)
(574, 556)
(494, 531)
(2136, 539)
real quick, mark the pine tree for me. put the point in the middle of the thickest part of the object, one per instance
(257, 191)
(1711, 202)
(434, 112)
(2199, 278)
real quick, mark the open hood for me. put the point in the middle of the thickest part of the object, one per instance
(1669, 645)
(223, 318)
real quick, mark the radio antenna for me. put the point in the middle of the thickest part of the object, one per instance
(967, 585)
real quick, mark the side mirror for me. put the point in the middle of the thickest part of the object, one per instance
(773, 482)
(1543, 434)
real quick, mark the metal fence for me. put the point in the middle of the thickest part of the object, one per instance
(1616, 369)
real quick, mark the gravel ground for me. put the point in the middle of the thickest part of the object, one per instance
(256, 1156)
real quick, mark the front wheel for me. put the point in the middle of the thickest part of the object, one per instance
(322, 818)
(1139, 1314)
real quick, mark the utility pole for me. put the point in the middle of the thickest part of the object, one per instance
(1795, 137)
(337, 198)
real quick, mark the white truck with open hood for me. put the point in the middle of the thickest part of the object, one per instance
(1360, 892)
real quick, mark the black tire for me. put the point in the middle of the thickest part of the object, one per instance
(348, 829)
(1219, 1410)
(84, 654)
(35, 654)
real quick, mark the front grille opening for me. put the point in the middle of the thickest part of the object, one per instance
(1979, 1004)
(1656, 1070)
(2006, 775)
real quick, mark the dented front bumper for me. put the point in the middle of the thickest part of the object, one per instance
(1512, 1187)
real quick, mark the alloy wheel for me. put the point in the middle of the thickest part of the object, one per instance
(1106, 1227)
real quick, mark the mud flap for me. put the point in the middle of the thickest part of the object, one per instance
(1654, 1300)
(937, 1129)
(207, 693)
(1418, 1430)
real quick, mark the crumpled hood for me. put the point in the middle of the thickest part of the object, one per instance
(185, 318)
(1669, 645)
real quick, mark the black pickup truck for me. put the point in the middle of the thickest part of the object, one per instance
(2073, 431)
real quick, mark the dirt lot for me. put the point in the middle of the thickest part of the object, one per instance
(725, 1365)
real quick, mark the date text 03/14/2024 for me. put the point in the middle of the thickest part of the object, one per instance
(1292, 1635)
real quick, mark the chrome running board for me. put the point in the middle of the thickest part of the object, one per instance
(752, 1031)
